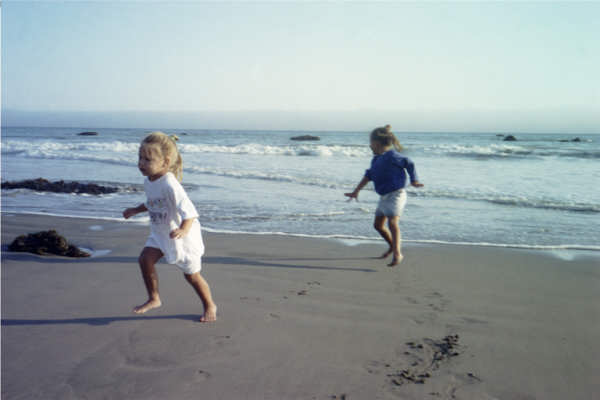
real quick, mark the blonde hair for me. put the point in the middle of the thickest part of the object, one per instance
(385, 137)
(168, 149)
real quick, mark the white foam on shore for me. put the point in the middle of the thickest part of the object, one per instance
(356, 240)
(96, 253)
(136, 220)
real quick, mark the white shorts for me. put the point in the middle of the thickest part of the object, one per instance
(189, 264)
(391, 204)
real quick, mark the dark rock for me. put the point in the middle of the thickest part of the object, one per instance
(306, 137)
(43, 185)
(46, 242)
(577, 139)
(510, 138)
(88, 134)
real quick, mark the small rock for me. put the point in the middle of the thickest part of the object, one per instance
(88, 134)
(305, 137)
(510, 138)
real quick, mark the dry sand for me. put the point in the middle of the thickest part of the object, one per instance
(299, 319)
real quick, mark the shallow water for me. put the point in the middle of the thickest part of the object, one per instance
(537, 192)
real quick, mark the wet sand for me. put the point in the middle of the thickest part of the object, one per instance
(299, 318)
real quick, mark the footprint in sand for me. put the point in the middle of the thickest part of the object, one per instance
(202, 375)
(272, 317)
(254, 299)
(219, 340)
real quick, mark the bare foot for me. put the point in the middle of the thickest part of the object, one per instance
(396, 260)
(386, 254)
(147, 306)
(210, 314)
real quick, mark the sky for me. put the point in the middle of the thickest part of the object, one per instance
(476, 66)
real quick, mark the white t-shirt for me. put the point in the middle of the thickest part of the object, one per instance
(168, 205)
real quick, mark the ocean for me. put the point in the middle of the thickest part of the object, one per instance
(538, 192)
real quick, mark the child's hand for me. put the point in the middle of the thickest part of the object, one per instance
(130, 212)
(183, 229)
(351, 196)
(178, 233)
(417, 184)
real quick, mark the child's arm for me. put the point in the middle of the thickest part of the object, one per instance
(183, 229)
(412, 172)
(130, 212)
(361, 184)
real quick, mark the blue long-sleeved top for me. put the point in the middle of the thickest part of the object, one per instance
(388, 172)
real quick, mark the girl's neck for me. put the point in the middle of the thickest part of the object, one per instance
(383, 150)
(157, 176)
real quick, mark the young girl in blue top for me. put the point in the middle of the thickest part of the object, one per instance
(388, 173)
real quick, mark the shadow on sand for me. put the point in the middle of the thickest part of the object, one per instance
(99, 321)
(244, 262)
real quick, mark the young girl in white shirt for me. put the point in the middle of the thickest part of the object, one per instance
(175, 229)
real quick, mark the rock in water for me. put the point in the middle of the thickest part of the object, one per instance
(88, 134)
(42, 185)
(510, 138)
(577, 139)
(46, 242)
(306, 137)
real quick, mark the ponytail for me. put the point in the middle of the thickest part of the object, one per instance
(177, 167)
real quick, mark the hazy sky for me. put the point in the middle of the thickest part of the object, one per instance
(440, 66)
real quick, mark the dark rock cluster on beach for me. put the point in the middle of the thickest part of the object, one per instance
(428, 356)
(43, 185)
(46, 242)
(306, 137)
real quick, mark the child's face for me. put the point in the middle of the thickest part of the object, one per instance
(151, 163)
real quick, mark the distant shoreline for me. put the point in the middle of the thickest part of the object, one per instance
(414, 121)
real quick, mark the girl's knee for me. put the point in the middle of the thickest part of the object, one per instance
(149, 257)
(191, 278)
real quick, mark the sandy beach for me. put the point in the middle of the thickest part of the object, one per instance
(299, 318)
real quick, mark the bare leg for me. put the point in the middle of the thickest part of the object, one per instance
(203, 290)
(396, 241)
(379, 226)
(147, 260)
